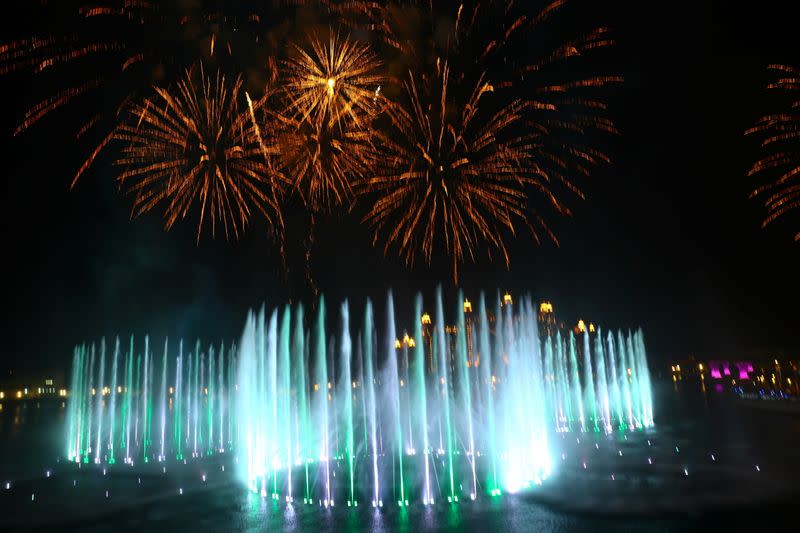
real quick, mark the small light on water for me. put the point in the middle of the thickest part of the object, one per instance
(180, 490)
(758, 469)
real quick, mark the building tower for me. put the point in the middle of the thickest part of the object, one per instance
(473, 359)
(547, 320)
(427, 343)
(507, 299)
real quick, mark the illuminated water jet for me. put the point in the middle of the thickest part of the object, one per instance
(355, 413)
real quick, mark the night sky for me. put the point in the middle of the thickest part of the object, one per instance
(667, 239)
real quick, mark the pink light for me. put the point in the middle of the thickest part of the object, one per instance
(715, 373)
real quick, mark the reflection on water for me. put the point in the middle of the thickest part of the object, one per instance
(30, 436)
(708, 433)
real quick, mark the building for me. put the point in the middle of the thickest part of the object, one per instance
(427, 343)
(473, 358)
(547, 320)
(46, 389)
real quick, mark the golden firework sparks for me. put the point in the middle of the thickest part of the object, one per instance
(780, 138)
(321, 161)
(321, 119)
(196, 145)
(483, 141)
(130, 45)
(333, 82)
(454, 181)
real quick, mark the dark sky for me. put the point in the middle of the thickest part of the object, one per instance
(667, 239)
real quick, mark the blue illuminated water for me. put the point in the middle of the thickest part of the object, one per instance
(726, 492)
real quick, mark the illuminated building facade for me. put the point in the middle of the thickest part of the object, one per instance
(547, 320)
(47, 388)
(473, 358)
(427, 344)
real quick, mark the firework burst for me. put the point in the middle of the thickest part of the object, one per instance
(454, 179)
(320, 120)
(197, 145)
(780, 138)
(124, 47)
(334, 82)
(470, 161)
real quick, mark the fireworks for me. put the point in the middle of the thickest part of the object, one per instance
(336, 82)
(195, 145)
(468, 161)
(451, 125)
(123, 48)
(320, 162)
(321, 120)
(454, 181)
(780, 137)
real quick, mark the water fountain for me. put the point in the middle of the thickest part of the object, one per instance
(351, 414)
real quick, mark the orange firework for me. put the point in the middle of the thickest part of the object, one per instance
(333, 82)
(197, 145)
(468, 160)
(780, 136)
(130, 45)
(320, 121)
(455, 180)
(321, 162)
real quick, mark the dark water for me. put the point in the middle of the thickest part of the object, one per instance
(751, 477)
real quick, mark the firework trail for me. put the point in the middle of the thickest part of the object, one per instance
(780, 138)
(197, 145)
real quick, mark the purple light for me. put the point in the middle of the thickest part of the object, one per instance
(745, 367)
